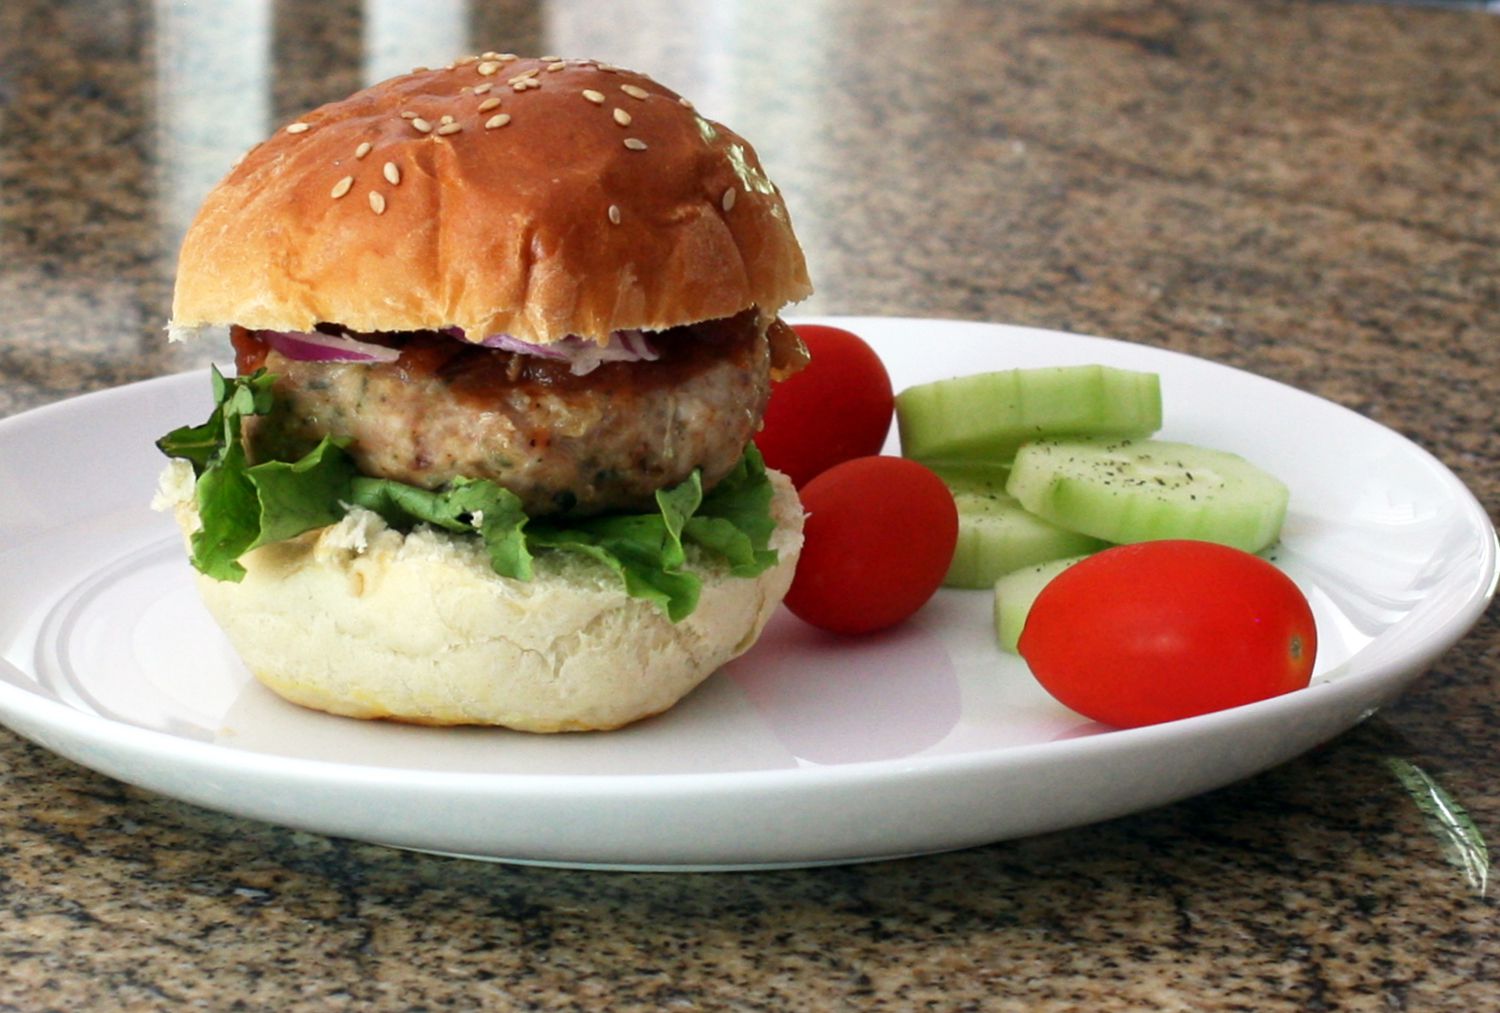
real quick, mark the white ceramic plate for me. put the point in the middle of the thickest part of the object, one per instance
(810, 749)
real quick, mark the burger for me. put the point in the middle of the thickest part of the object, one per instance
(504, 332)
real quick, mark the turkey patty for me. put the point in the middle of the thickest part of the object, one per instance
(606, 440)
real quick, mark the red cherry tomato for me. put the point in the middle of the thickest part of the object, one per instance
(837, 408)
(1156, 631)
(879, 537)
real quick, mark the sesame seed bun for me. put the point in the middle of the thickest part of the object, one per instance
(532, 198)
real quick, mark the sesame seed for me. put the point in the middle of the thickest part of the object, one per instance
(377, 202)
(634, 91)
(498, 120)
(392, 173)
(488, 104)
(727, 201)
(507, 57)
(614, 214)
(525, 75)
(557, 66)
(422, 125)
(341, 187)
(449, 128)
(488, 67)
(298, 128)
(635, 144)
(622, 117)
(420, 70)
(609, 68)
(480, 89)
(596, 97)
(490, 55)
(445, 120)
(407, 114)
(549, 59)
(686, 104)
(464, 61)
(362, 150)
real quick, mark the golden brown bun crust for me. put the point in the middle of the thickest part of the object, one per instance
(366, 622)
(500, 226)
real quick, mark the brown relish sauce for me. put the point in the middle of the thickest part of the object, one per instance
(249, 350)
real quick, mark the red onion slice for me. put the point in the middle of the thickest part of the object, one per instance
(319, 347)
(582, 354)
(506, 343)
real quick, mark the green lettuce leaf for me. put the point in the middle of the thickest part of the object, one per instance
(244, 506)
(233, 399)
(735, 519)
(644, 550)
(467, 505)
(226, 498)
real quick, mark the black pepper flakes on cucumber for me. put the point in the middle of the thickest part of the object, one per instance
(1053, 463)
(1147, 490)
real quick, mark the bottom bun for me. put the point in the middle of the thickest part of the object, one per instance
(360, 620)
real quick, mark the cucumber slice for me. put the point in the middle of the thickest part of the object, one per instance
(989, 415)
(997, 535)
(1014, 594)
(1145, 490)
(980, 478)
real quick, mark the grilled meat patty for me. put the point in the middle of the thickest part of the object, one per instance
(578, 445)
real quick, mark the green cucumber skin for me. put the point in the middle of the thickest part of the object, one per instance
(989, 415)
(1227, 500)
(1014, 595)
(996, 536)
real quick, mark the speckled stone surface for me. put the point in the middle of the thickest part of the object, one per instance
(1307, 190)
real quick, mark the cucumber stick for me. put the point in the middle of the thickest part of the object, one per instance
(988, 415)
(1143, 490)
(1014, 593)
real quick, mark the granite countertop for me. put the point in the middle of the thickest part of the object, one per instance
(1307, 190)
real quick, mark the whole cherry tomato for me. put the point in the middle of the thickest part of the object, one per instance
(1157, 631)
(878, 539)
(837, 408)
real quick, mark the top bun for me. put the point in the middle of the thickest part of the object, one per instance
(500, 195)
